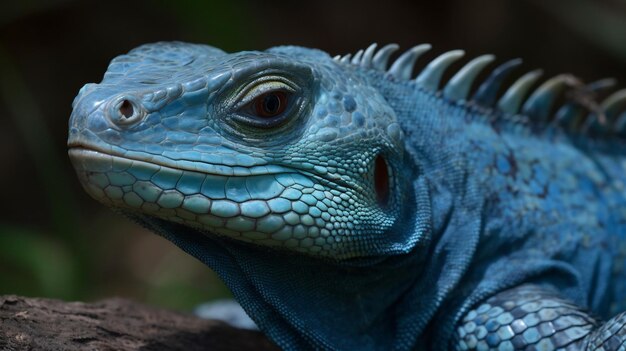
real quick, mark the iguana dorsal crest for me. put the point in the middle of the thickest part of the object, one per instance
(581, 110)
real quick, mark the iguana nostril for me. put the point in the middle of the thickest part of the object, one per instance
(126, 109)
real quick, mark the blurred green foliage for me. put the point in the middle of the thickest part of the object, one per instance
(32, 263)
(56, 242)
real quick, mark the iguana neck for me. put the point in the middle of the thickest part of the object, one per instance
(374, 302)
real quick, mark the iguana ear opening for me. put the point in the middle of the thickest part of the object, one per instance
(381, 181)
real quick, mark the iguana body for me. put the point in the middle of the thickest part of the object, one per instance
(350, 207)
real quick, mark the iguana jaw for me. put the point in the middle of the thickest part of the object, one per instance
(284, 210)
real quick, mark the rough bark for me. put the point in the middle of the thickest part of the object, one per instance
(113, 324)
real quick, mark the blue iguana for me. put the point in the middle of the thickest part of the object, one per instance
(350, 206)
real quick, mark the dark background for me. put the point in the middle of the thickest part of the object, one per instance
(57, 242)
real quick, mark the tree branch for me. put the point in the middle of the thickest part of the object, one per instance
(114, 324)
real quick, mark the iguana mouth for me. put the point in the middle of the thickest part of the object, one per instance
(185, 165)
(78, 149)
(110, 178)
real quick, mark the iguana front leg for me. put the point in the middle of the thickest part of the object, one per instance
(530, 317)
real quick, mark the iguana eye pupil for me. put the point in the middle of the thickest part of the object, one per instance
(271, 104)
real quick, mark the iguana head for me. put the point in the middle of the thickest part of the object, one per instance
(283, 148)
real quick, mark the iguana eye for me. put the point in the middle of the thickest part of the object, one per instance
(271, 104)
(267, 104)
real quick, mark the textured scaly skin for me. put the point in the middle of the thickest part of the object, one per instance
(374, 212)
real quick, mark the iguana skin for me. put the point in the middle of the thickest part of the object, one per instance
(349, 206)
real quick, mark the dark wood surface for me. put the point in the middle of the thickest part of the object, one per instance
(114, 324)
